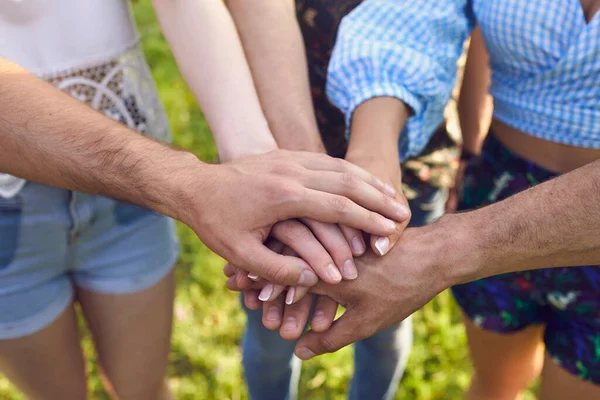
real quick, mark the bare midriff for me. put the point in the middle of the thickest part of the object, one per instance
(555, 157)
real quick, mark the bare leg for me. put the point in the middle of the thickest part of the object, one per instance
(504, 364)
(132, 335)
(49, 364)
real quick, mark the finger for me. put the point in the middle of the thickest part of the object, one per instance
(355, 238)
(232, 285)
(242, 279)
(342, 332)
(336, 244)
(324, 313)
(295, 294)
(229, 270)
(251, 300)
(277, 268)
(273, 313)
(382, 245)
(357, 190)
(294, 319)
(335, 209)
(270, 292)
(299, 238)
(318, 162)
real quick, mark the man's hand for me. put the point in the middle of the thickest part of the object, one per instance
(233, 206)
(388, 290)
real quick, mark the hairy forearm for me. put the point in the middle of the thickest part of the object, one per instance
(376, 127)
(210, 56)
(475, 104)
(275, 51)
(48, 137)
(550, 225)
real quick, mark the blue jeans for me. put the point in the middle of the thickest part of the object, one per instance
(272, 371)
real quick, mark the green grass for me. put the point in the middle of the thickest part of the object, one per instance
(205, 362)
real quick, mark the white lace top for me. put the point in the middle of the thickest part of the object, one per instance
(89, 49)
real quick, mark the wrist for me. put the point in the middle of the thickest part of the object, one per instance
(188, 180)
(299, 137)
(458, 256)
(384, 165)
(233, 151)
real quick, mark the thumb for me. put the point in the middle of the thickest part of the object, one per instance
(342, 332)
(277, 268)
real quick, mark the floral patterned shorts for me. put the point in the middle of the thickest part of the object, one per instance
(565, 300)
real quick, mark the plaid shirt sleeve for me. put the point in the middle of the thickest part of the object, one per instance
(405, 49)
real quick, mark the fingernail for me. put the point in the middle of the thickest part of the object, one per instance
(333, 273)
(308, 278)
(382, 244)
(266, 292)
(304, 353)
(291, 294)
(403, 211)
(350, 271)
(273, 314)
(358, 245)
(319, 315)
(389, 224)
(290, 324)
(252, 276)
(389, 190)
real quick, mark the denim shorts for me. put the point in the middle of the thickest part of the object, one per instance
(53, 240)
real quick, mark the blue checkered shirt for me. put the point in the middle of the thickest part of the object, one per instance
(544, 56)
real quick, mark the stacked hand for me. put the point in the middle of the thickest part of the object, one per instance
(327, 248)
(243, 199)
(388, 290)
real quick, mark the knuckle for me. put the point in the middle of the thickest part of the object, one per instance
(285, 169)
(350, 180)
(373, 218)
(279, 274)
(292, 232)
(287, 192)
(339, 163)
(328, 345)
(341, 204)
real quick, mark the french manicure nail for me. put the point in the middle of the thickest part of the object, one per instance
(308, 278)
(333, 273)
(350, 271)
(389, 190)
(252, 276)
(383, 245)
(304, 353)
(358, 245)
(266, 292)
(291, 294)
